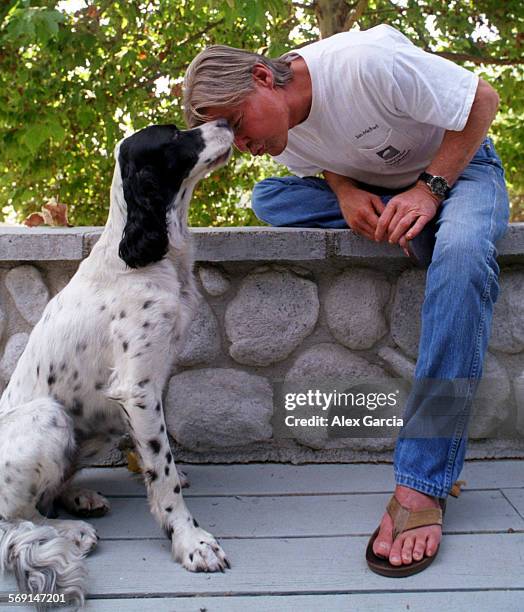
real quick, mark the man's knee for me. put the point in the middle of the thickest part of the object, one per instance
(291, 201)
(267, 201)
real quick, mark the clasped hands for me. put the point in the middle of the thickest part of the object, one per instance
(400, 220)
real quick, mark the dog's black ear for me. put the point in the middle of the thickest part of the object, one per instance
(145, 236)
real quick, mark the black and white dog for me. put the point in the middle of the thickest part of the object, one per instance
(95, 366)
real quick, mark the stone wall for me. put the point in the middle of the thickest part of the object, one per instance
(277, 305)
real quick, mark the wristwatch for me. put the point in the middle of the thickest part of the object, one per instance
(438, 184)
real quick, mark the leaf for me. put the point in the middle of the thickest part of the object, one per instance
(85, 115)
(33, 24)
(46, 23)
(34, 136)
(52, 213)
(34, 219)
(56, 130)
(58, 212)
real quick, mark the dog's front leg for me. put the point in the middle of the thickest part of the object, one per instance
(192, 546)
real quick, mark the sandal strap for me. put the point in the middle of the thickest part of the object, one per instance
(404, 519)
(456, 489)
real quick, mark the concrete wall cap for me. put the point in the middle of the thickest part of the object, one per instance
(19, 243)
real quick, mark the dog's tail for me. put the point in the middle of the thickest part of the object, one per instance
(43, 560)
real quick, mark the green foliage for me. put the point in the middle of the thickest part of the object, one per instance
(73, 83)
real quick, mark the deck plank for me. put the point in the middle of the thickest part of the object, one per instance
(283, 479)
(480, 601)
(292, 516)
(516, 497)
(287, 566)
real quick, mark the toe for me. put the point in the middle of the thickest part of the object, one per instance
(420, 547)
(395, 554)
(384, 539)
(407, 549)
(432, 545)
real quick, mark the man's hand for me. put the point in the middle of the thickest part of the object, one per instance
(361, 210)
(406, 215)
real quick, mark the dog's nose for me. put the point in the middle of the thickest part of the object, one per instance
(222, 123)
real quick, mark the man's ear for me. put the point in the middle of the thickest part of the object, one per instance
(262, 76)
(145, 237)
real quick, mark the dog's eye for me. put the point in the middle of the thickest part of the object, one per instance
(237, 124)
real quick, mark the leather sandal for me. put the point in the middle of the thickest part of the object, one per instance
(404, 519)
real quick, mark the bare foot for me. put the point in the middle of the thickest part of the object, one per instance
(413, 544)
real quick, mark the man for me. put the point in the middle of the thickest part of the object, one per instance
(386, 123)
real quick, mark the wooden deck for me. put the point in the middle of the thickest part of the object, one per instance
(296, 535)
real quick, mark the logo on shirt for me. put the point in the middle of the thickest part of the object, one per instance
(393, 156)
(388, 153)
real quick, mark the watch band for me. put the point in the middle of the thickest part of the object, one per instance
(437, 184)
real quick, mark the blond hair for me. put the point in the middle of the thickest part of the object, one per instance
(221, 76)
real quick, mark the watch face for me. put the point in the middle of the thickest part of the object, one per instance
(439, 186)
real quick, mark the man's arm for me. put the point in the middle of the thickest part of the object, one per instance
(458, 148)
(415, 207)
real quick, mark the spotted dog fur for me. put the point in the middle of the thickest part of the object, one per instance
(95, 366)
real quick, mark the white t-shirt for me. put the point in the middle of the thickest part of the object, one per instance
(380, 107)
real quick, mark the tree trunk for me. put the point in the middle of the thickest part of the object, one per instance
(335, 16)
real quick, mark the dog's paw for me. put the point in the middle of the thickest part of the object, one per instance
(82, 534)
(84, 503)
(182, 476)
(198, 551)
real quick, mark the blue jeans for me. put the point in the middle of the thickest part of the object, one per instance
(461, 290)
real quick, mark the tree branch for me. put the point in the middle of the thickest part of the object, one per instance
(355, 14)
(197, 35)
(475, 59)
(137, 83)
(306, 7)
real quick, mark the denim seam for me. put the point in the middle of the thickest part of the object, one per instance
(423, 486)
(476, 357)
(462, 419)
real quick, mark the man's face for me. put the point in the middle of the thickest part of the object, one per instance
(260, 123)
